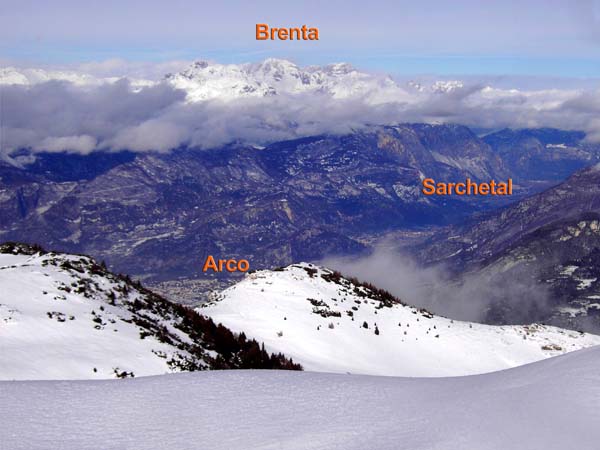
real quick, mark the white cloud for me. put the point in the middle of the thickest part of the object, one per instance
(79, 144)
(152, 134)
(434, 288)
(80, 116)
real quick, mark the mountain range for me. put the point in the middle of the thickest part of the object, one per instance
(158, 216)
(207, 80)
(542, 154)
(203, 80)
(292, 200)
(207, 104)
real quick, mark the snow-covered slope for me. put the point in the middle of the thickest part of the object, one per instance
(66, 317)
(548, 405)
(329, 323)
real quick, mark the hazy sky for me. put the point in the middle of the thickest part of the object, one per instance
(556, 38)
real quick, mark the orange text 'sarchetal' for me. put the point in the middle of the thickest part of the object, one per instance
(468, 187)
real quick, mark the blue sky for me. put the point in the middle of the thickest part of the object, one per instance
(538, 38)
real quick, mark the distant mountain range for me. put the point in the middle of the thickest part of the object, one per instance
(207, 104)
(542, 154)
(204, 80)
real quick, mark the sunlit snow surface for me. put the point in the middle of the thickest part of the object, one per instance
(50, 329)
(275, 307)
(551, 404)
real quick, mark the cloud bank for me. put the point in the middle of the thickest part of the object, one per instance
(474, 297)
(68, 114)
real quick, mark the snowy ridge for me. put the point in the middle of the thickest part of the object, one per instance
(331, 324)
(203, 80)
(66, 317)
(549, 405)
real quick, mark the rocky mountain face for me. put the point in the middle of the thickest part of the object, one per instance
(543, 154)
(549, 240)
(160, 215)
(67, 317)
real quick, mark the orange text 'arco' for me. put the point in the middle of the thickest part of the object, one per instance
(230, 265)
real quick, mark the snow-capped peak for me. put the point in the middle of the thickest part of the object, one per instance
(339, 69)
(203, 80)
(447, 86)
(334, 324)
